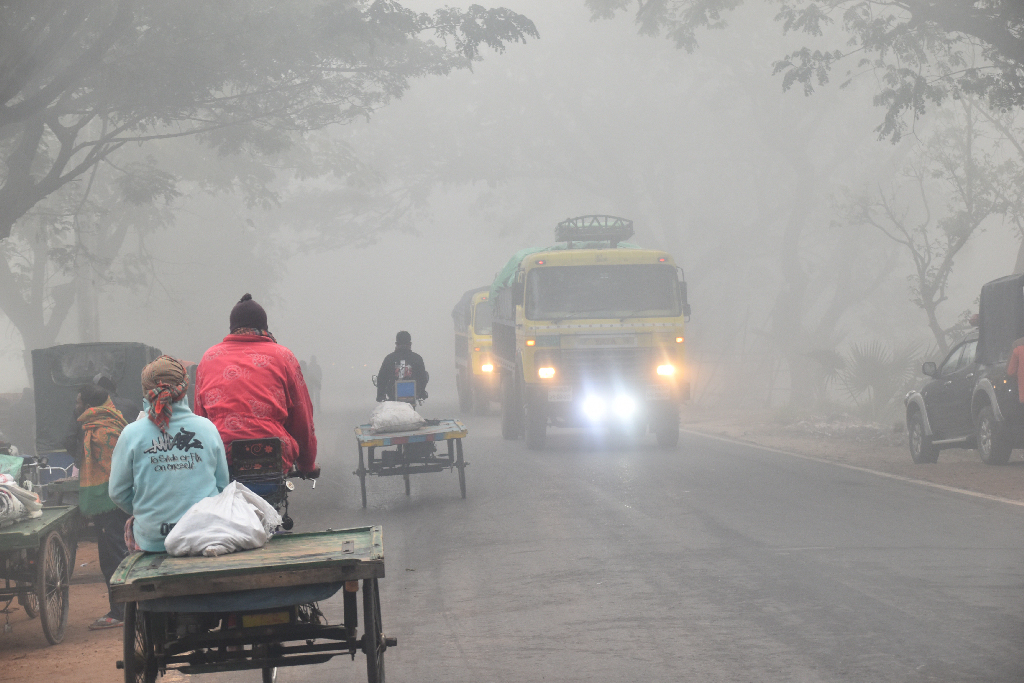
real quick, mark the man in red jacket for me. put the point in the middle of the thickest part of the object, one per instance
(250, 387)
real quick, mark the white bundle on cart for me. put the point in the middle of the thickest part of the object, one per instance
(395, 416)
(17, 503)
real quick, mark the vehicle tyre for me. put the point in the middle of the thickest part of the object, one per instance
(464, 387)
(30, 603)
(536, 422)
(139, 652)
(993, 442)
(667, 429)
(921, 449)
(374, 643)
(511, 410)
(52, 584)
(270, 674)
(480, 399)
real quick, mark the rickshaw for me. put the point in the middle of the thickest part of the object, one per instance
(255, 609)
(36, 562)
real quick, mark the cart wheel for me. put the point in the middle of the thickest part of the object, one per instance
(270, 674)
(52, 583)
(362, 487)
(408, 486)
(30, 602)
(373, 639)
(461, 465)
(139, 653)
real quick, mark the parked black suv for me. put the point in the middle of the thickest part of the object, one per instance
(971, 402)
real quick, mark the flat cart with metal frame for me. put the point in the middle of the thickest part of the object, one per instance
(36, 562)
(255, 609)
(412, 454)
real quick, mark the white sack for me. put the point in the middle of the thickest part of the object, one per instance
(395, 416)
(234, 519)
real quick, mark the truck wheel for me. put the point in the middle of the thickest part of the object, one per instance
(667, 429)
(511, 410)
(465, 396)
(993, 442)
(536, 422)
(921, 449)
(480, 399)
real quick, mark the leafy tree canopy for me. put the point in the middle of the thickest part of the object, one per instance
(79, 79)
(923, 50)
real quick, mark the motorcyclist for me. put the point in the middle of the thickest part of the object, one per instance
(251, 387)
(404, 364)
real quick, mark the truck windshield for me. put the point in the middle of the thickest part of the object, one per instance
(482, 318)
(606, 291)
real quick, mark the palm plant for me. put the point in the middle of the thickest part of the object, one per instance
(876, 376)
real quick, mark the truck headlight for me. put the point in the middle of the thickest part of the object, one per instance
(594, 407)
(666, 370)
(487, 367)
(545, 373)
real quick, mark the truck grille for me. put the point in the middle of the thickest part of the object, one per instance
(605, 364)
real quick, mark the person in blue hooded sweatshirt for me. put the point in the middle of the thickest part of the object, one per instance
(162, 466)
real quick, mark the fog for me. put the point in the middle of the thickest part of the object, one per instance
(743, 183)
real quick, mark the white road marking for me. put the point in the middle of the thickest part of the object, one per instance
(897, 477)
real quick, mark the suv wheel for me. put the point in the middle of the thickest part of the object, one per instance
(921, 448)
(993, 443)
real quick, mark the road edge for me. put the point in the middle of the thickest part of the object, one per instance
(857, 468)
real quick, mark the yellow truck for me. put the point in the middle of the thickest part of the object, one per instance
(590, 331)
(476, 376)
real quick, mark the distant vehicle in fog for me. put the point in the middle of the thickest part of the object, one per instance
(476, 376)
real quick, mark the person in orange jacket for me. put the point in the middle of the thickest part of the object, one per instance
(1015, 367)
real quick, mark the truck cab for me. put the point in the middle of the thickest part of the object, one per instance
(591, 332)
(476, 376)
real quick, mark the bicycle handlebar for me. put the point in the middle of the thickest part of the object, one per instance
(315, 474)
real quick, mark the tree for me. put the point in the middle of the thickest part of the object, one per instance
(948, 189)
(923, 51)
(79, 80)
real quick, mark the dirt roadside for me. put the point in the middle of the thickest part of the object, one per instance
(841, 439)
(85, 656)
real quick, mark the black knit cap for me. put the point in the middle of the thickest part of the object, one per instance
(248, 313)
(403, 337)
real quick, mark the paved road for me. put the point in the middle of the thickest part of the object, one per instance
(611, 560)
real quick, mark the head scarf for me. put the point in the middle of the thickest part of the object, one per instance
(164, 381)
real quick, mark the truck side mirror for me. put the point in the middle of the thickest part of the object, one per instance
(929, 369)
(686, 312)
(517, 293)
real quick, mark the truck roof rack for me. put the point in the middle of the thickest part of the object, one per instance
(611, 229)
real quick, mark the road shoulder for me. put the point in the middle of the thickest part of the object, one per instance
(868, 447)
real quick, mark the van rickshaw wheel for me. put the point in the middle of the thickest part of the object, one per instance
(30, 603)
(139, 651)
(373, 638)
(270, 674)
(52, 584)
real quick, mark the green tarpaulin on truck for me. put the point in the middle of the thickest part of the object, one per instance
(507, 275)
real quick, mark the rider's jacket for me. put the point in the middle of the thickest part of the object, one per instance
(251, 387)
(402, 363)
